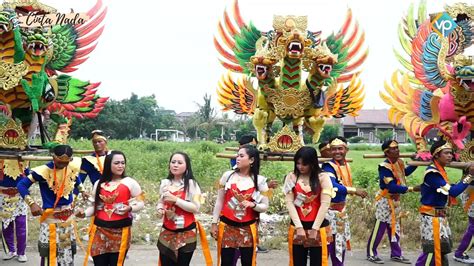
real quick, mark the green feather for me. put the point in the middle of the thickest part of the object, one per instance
(404, 40)
(70, 89)
(422, 12)
(411, 22)
(64, 46)
(245, 42)
(405, 63)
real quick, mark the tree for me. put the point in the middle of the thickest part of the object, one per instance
(129, 118)
(329, 131)
(207, 116)
(384, 135)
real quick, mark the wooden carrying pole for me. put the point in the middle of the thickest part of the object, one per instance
(272, 157)
(458, 165)
(20, 157)
(379, 156)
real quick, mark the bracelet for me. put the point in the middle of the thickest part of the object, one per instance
(254, 205)
(410, 189)
(29, 200)
(351, 190)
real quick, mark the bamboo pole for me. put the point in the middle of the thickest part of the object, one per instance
(458, 165)
(379, 156)
(25, 157)
(272, 157)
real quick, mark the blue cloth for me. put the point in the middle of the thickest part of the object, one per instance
(392, 187)
(48, 196)
(8, 181)
(431, 182)
(88, 169)
(341, 192)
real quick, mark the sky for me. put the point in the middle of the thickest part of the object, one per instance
(166, 48)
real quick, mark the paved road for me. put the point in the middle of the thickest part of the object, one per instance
(147, 255)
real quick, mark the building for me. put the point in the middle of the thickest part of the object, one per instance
(368, 123)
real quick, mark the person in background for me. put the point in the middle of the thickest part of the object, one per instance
(325, 150)
(341, 177)
(392, 183)
(93, 165)
(465, 245)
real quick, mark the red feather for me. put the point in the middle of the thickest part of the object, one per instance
(228, 24)
(91, 24)
(85, 51)
(224, 53)
(237, 15)
(346, 24)
(84, 41)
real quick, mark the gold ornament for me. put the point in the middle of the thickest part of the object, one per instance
(12, 136)
(288, 102)
(447, 145)
(467, 154)
(11, 74)
(337, 142)
(285, 140)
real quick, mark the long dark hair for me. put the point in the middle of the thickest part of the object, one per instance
(107, 173)
(252, 152)
(308, 156)
(188, 174)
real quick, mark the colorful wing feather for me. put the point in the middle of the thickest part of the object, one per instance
(76, 98)
(239, 96)
(407, 31)
(349, 45)
(236, 44)
(73, 44)
(418, 109)
(342, 101)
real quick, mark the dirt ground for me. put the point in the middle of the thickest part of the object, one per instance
(147, 255)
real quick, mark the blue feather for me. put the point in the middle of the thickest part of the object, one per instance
(431, 50)
(425, 107)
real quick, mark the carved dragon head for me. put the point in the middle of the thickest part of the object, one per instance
(291, 35)
(319, 61)
(37, 41)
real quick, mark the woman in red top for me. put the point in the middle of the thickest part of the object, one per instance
(180, 200)
(115, 196)
(308, 195)
(240, 199)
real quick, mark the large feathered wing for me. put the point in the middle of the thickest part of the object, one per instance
(76, 98)
(417, 109)
(239, 96)
(407, 31)
(73, 44)
(342, 101)
(349, 45)
(236, 42)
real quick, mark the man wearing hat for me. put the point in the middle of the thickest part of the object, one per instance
(325, 150)
(341, 178)
(57, 181)
(392, 182)
(436, 194)
(92, 165)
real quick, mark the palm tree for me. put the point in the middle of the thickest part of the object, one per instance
(206, 115)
